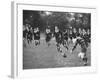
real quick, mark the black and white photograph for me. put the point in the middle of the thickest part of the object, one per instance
(50, 40)
(54, 39)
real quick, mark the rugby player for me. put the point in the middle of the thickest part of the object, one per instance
(36, 36)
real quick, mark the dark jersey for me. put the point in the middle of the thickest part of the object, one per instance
(29, 35)
(48, 36)
(79, 34)
(87, 37)
(58, 36)
(37, 35)
(82, 43)
(25, 33)
(74, 35)
(66, 36)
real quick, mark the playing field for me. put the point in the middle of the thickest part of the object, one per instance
(42, 56)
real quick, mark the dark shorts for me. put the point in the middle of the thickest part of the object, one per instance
(30, 38)
(37, 38)
(48, 39)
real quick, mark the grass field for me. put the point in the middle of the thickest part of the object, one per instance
(43, 56)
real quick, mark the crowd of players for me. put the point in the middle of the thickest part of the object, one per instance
(63, 39)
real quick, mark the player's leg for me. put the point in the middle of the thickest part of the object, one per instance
(28, 40)
(84, 50)
(58, 47)
(65, 44)
(85, 59)
(35, 42)
(39, 40)
(63, 51)
(75, 46)
(47, 41)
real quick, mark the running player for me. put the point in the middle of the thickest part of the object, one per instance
(65, 35)
(83, 46)
(58, 37)
(82, 54)
(29, 37)
(37, 36)
(48, 36)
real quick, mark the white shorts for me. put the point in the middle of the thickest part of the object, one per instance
(81, 55)
(74, 40)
